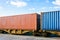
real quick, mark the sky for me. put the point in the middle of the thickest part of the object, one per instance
(17, 7)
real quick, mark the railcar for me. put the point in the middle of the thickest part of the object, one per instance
(46, 24)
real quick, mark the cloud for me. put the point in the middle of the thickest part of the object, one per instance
(17, 3)
(7, 1)
(43, 8)
(1, 7)
(32, 9)
(56, 6)
(52, 8)
(56, 2)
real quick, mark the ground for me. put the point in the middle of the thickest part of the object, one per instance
(20, 37)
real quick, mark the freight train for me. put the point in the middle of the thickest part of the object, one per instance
(46, 24)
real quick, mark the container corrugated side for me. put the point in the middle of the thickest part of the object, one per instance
(23, 22)
(51, 21)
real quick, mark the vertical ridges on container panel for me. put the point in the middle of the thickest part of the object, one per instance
(58, 20)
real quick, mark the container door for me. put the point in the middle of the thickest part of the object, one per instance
(59, 20)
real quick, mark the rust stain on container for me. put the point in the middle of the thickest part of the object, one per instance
(23, 22)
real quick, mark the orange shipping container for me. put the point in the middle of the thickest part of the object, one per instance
(23, 22)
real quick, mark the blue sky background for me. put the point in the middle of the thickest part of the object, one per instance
(16, 7)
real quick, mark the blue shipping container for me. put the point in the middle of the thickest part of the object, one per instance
(51, 21)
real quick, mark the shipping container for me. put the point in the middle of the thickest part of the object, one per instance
(22, 22)
(50, 21)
